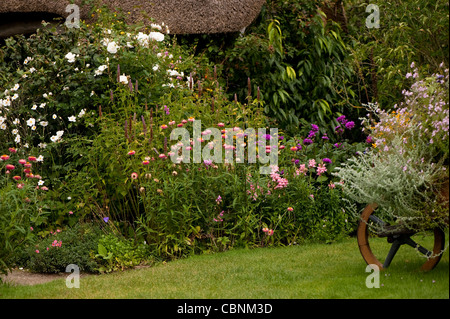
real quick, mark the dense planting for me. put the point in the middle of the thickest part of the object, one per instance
(120, 144)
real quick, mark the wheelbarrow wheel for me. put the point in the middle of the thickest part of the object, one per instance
(367, 216)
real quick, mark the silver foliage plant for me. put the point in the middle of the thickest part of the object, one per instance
(404, 183)
(405, 170)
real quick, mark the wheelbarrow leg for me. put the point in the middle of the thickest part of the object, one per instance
(394, 248)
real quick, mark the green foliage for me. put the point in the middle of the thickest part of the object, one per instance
(114, 253)
(22, 207)
(54, 252)
(410, 31)
(298, 62)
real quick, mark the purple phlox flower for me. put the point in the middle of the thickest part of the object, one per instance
(369, 139)
(314, 128)
(312, 134)
(105, 219)
(267, 136)
(341, 119)
(325, 137)
(350, 125)
(281, 137)
(327, 160)
(307, 141)
(337, 145)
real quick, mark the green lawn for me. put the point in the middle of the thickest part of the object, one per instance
(310, 271)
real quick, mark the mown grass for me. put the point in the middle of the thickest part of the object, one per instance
(310, 271)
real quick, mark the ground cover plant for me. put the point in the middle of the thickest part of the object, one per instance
(115, 142)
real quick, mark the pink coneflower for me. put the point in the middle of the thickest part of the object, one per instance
(163, 156)
(270, 232)
(4, 157)
(180, 125)
(265, 229)
(134, 175)
(294, 148)
(191, 119)
(220, 124)
(17, 178)
(27, 165)
(22, 161)
(145, 162)
(20, 186)
(32, 158)
(183, 121)
(164, 126)
(290, 209)
(12, 150)
(10, 167)
(71, 213)
(37, 251)
(131, 152)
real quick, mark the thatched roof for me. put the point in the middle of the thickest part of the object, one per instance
(181, 16)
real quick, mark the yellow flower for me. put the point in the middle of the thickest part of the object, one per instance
(374, 145)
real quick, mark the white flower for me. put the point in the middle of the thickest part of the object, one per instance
(28, 59)
(42, 145)
(156, 67)
(59, 133)
(3, 126)
(54, 116)
(123, 79)
(42, 105)
(15, 131)
(33, 128)
(70, 57)
(16, 87)
(142, 39)
(54, 138)
(32, 70)
(157, 36)
(43, 123)
(17, 139)
(156, 26)
(31, 122)
(82, 112)
(112, 47)
(15, 97)
(41, 182)
(72, 118)
(40, 159)
(16, 121)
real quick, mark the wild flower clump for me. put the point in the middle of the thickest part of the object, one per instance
(407, 166)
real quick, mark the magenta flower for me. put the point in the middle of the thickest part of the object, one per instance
(350, 125)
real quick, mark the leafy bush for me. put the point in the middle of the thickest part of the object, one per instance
(298, 62)
(114, 253)
(74, 245)
(411, 31)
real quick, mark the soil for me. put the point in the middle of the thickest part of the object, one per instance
(25, 277)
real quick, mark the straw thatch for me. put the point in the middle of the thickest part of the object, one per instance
(181, 16)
